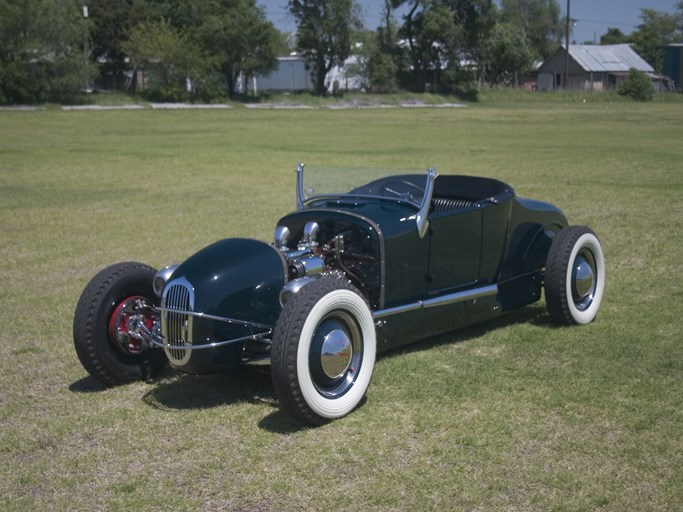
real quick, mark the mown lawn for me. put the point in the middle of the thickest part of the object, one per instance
(511, 415)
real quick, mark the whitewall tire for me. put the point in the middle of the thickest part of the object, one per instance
(574, 276)
(323, 351)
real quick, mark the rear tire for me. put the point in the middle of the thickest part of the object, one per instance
(323, 351)
(574, 276)
(107, 302)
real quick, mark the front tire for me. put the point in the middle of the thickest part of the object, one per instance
(113, 300)
(574, 276)
(323, 351)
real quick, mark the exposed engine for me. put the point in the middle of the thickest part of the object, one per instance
(328, 247)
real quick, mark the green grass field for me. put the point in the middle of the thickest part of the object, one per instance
(510, 415)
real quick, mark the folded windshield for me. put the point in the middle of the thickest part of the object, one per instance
(334, 182)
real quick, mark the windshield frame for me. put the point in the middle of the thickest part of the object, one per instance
(422, 205)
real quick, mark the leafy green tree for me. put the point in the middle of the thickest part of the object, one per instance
(507, 54)
(614, 36)
(243, 42)
(232, 36)
(657, 30)
(325, 34)
(235, 33)
(440, 34)
(382, 69)
(433, 38)
(540, 20)
(381, 54)
(477, 18)
(174, 63)
(408, 33)
(112, 23)
(375, 68)
(42, 50)
(637, 85)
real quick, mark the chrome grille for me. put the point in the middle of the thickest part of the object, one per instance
(177, 327)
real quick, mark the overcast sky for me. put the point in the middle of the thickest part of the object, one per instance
(593, 17)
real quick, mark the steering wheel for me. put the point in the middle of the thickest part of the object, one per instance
(402, 189)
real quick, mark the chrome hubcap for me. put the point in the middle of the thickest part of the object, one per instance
(583, 280)
(336, 354)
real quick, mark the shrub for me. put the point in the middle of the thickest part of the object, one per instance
(637, 85)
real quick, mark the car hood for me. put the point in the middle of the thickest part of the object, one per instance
(236, 278)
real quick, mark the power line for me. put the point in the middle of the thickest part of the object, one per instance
(602, 22)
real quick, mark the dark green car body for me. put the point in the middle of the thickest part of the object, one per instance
(479, 252)
(369, 261)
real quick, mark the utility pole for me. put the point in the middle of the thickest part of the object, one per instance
(566, 49)
(84, 4)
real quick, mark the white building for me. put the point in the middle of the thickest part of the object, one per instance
(292, 75)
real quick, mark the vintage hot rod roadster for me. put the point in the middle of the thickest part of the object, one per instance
(367, 262)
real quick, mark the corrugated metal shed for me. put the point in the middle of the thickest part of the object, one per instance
(614, 57)
(290, 75)
(673, 64)
(590, 67)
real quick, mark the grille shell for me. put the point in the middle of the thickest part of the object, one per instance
(176, 327)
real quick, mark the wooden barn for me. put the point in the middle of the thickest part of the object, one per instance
(591, 67)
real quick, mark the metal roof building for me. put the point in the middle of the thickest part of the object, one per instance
(591, 67)
(673, 64)
(292, 74)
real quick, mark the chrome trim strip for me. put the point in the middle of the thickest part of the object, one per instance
(398, 309)
(213, 344)
(454, 298)
(351, 198)
(256, 361)
(445, 300)
(217, 318)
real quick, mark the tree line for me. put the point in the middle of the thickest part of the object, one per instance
(204, 49)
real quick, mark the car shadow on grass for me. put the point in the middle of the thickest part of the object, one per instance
(280, 422)
(181, 391)
(535, 315)
(177, 391)
(88, 384)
